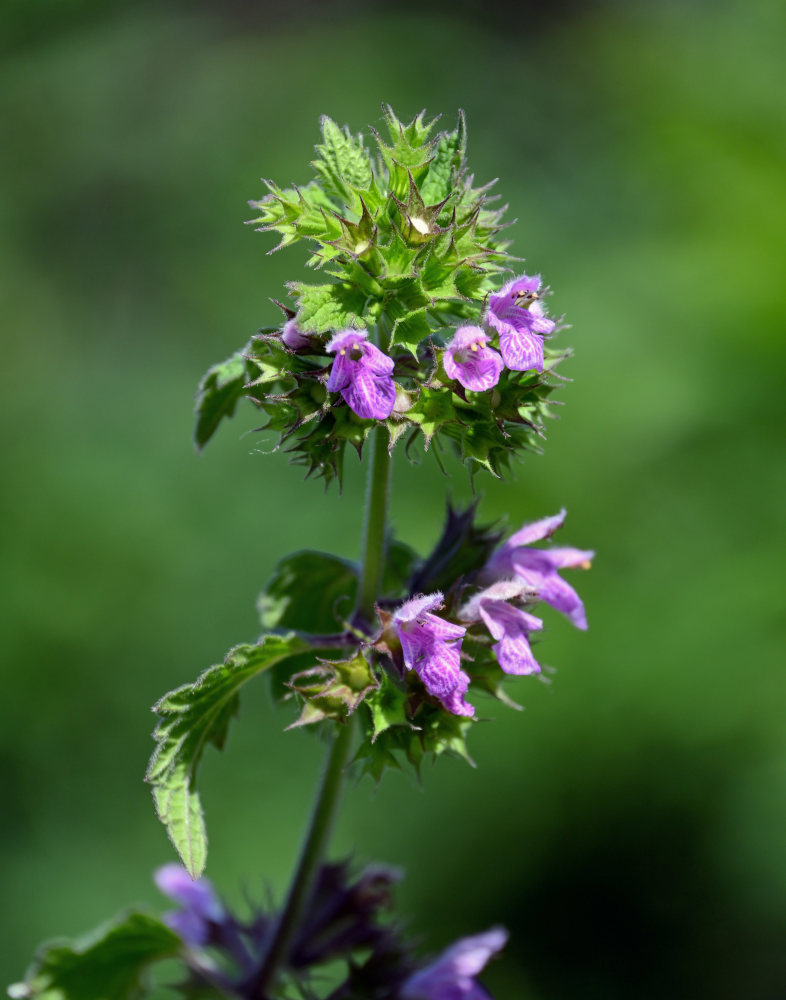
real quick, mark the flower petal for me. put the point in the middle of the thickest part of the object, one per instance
(521, 350)
(537, 530)
(415, 606)
(368, 395)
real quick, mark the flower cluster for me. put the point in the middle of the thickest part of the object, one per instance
(362, 373)
(417, 322)
(343, 925)
(515, 577)
(517, 316)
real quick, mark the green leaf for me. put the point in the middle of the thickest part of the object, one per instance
(191, 717)
(328, 307)
(387, 706)
(431, 410)
(308, 592)
(110, 964)
(448, 157)
(343, 162)
(411, 329)
(217, 396)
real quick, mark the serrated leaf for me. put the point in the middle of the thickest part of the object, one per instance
(411, 329)
(110, 964)
(328, 307)
(191, 717)
(432, 410)
(343, 162)
(448, 156)
(220, 389)
(309, 591)
(387, 706)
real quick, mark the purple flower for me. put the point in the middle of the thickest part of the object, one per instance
(361, 373)
(509, 625)
(201, 906)
(431, 648)
(538, 569)
(521, 329)
(292, 338)
(452, 975)
(468, 359)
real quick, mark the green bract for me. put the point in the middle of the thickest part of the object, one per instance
(408, 248)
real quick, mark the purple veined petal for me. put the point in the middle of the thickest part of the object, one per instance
(560, 595)
(376, 361)
(340, 373)
(456, 702)
(438, 668)
(369, 396)
(569, 558)
(540, 321)
(480, 372)
(189, 926)
(537, 530)
(466, 336)
(415, 643)
(416, 606)
(514, 655)
(501, 618)
(521, 350)
(511, 627)
(440, 628)
(553, 590)
(518, 286)
(502, 590)
(345, 340)
(196, 895)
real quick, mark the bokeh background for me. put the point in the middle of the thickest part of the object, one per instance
(629, 826)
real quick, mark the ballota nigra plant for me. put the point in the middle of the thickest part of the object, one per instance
(419, 330)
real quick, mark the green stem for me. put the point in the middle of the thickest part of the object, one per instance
(311, 855)
(326, 806)
(377, 492)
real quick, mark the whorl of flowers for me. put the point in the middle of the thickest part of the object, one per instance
(414, 321)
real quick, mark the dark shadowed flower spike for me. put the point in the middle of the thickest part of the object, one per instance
(200, 907)
(452, 976)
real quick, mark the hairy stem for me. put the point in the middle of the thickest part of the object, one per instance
(377, 491)
(311, 855)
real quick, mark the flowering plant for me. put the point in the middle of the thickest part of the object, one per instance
(415, 333)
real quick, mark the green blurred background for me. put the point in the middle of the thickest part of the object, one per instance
(628, 827)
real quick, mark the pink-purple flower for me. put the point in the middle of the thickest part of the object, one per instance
(201, 906)
(468, 359)
(292, 338)
(431, 646)
(452, 976)
(362, 374)
(509, 625)
(520, 320)
(538, 569)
